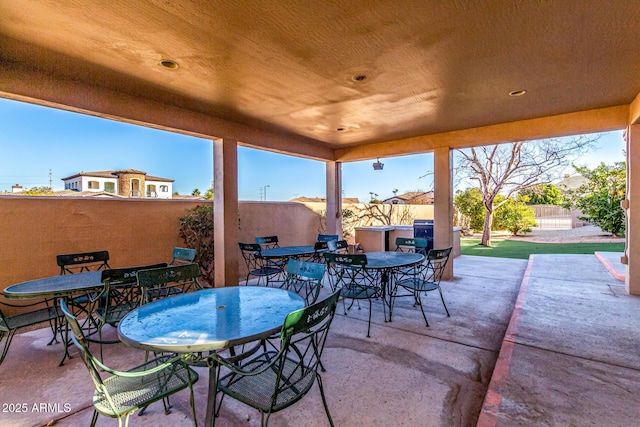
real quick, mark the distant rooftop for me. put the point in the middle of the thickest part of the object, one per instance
(116, 173)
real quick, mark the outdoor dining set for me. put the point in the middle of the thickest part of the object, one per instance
(266, 335)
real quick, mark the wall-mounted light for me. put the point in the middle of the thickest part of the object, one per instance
(377, 166)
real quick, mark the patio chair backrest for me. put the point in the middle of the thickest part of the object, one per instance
(352, 260)
(435, 264)
(304, 278)
(81, 342)
(162, 282)
(327, 237)
(411, 244)
(183, 256)
(268, 242)
(338, 246)
(86, 261)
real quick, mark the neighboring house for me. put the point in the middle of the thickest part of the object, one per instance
(411, 198)
(128, 183)
(569, 182)
(345, 200)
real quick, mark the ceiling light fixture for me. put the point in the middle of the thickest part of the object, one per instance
(517, 92)
(359, 78)
(170, 64)
(377, 166)
(340, 129)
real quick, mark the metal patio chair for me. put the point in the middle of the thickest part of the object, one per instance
(258, 266)
(304, 278)
(9, 325)
(166, 281)
(78, 263)
(124, 392)
(268, 242)
(411, 244)
(277, 379)
(356, 282)
(426, 279)
(181, 256)
(327, 237)
(319, 248)
(119, 296)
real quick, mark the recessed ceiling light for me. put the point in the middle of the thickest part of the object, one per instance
(170, 64)
(359, 78)
(517, 92)
(340, 129)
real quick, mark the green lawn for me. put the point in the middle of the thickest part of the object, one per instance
(522, 250)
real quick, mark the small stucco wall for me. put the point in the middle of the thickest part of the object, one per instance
(36, 229)
(135, 232)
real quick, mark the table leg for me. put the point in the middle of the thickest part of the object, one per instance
(211, 396)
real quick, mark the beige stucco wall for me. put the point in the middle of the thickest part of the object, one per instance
(34, 230)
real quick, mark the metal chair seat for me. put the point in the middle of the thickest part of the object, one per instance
(121, 394)
(129, 394)
(9, 325)
(257, 390)
(417, 284)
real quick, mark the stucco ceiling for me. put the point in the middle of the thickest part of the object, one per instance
(290, 66)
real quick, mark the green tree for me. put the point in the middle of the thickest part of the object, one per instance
(515, 216)
(195, 192)
(38, 191)
(599, 198)
(469, 203)
(543, 194)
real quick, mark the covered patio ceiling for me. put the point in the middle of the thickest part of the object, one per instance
(331, 80)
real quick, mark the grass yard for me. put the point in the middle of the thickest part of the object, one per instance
(522, 250)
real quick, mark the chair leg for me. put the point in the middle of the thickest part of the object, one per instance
(7, 343)
(94, 419)
(419, 302)
(443, 303)
(369, 326)
(324, 399)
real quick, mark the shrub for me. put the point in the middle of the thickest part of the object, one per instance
(196, 230)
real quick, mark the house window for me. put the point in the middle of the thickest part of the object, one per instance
(94, 185)
(151, 191)
(135, 188)
(110, 187)
(164, 188)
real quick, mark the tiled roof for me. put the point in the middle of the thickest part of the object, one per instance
(115, 173)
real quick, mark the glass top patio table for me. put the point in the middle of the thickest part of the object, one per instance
(55, 286)
(208, 320)
(390, 260)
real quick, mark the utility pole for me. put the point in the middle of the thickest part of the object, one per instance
(50, 181)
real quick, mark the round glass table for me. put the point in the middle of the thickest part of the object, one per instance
(208, 320)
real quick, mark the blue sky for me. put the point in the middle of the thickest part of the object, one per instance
(35, 139)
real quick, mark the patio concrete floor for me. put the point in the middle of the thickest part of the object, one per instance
(569, 355)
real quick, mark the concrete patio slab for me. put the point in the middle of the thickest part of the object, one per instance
(570, 356)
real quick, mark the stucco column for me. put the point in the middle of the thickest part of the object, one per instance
(633, 212)
(225, 211)
(443, 203)
(334, 198)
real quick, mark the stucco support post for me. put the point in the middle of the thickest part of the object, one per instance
(443, 203)
(225, 211)
(334, 198)
(632, 251)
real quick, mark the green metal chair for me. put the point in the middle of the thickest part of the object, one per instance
(9, 325)
(425, 279)
(277, 379)
(86, 261)
(125, 392)
(333, 270)
(163, 282)
(319, 248)
(304, 278)
(327, 237)
(357, 283)
(183, 256)
(258, 266)
(78, 263)
(268, 242)
(411, 244)
(119, 296)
